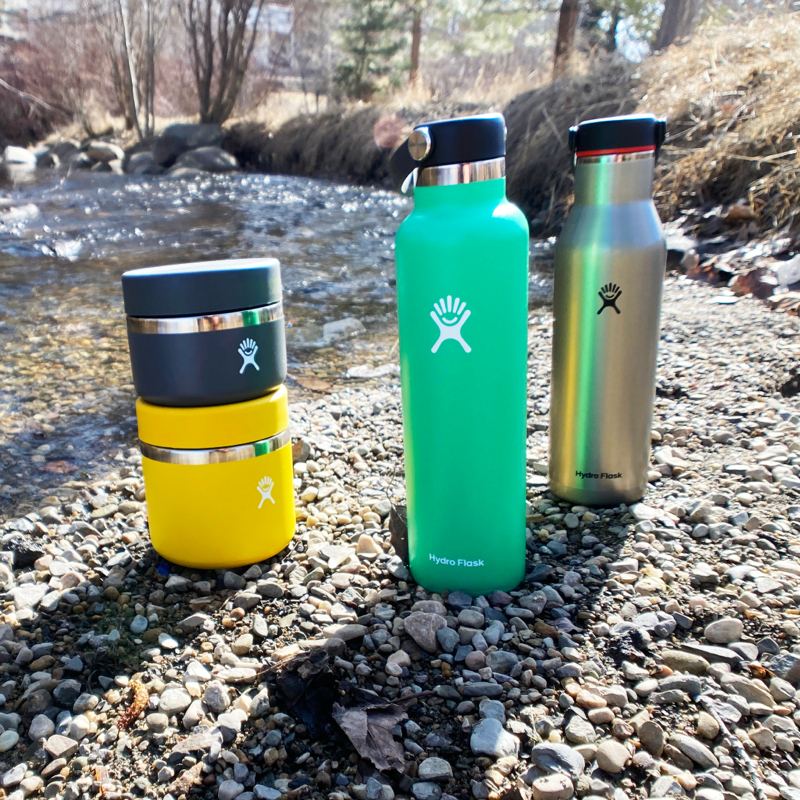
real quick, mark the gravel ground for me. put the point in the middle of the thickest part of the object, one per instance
(651, 651)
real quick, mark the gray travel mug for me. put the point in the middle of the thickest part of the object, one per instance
(206, 333)
(609, 274)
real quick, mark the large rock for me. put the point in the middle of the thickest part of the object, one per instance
(178, 139)
(19, 158)
(104, 152)
(208, 159)
(141, 163)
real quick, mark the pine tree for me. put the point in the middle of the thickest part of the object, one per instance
(371, 37)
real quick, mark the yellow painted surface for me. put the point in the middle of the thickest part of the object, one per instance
(207, 427)
(214, 515)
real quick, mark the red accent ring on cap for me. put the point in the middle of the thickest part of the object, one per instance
(616, 151)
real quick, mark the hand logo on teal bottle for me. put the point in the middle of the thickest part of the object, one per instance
(449, 318)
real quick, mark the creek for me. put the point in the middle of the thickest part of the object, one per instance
(66, 399)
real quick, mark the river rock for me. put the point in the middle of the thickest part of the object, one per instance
(558, 758)
(104, 152)
(680, 661)
(612, 756)
(19, 158)
(177, 139)
(434, 769)
(652, 737)
(489, 738)
(60, 746)
(422, 627)
(724, 631)
(173, 701)
(208, 159)
(552, 787)
(141, 163)
(694, 750)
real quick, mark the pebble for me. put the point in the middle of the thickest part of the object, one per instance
(422, 628)
(229, 789)
(173, 701)
(724, 631)
(612, 756)
(552, 787)
(489, 738)
(434, 769)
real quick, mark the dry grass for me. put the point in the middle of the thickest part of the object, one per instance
(539, 161)
(732, 97)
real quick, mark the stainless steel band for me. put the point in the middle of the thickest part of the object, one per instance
(208, 322)
(471, 172)
(218, 455)
(615, 158)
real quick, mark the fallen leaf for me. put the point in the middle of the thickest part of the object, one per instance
(369, 728)
(309, 689)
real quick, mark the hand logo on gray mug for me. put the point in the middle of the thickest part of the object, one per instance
(247, 350)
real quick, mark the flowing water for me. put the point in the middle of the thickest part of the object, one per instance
(66, 399)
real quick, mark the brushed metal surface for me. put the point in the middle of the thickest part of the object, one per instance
(207, 322)
(605, 339)
(469, 172)
(217, 455)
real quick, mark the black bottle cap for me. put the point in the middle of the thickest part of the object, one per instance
(202, 287)
(597, 137)
(449, 141)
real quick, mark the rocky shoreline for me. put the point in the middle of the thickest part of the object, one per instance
(179, 151)
(326, 672)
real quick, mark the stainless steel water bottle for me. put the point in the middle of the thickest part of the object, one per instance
(609, 273)
(462, 296)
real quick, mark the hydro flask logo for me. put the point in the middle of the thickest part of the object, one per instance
(450, 317)
(247, 350)
(609, 294)
(265, 490)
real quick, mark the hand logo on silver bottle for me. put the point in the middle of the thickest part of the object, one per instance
(609, 294)
(247, 350)
(265, 490)
(450, 317)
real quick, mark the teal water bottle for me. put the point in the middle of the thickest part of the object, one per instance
(462, 296)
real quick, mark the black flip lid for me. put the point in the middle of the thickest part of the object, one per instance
(202, 287)
(617, 134)
(453, 141)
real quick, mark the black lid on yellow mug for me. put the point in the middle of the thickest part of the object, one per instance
(201, 287)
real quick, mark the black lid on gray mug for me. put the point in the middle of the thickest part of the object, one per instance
(201, 287)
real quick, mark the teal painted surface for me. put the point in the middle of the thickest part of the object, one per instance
(464, 405)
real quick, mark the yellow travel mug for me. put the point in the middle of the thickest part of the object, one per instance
(218, 480)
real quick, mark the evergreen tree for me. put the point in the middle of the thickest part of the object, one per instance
(371, 37)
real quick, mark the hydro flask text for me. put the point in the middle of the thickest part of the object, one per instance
(605, 476)
(453, 562)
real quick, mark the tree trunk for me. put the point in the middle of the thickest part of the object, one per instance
(611, 34)
(130, 67)
(416, 41)
(565, 41)
(677, 22)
